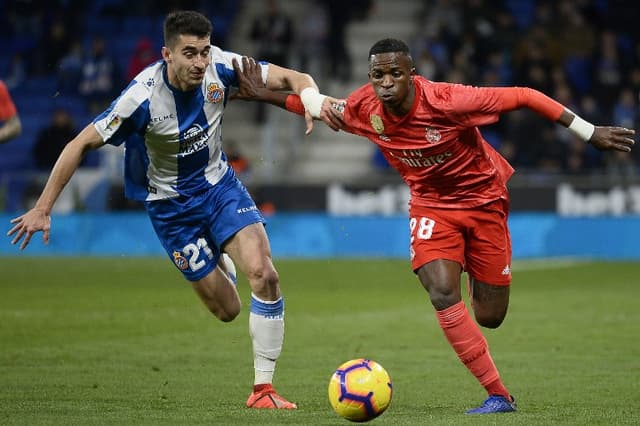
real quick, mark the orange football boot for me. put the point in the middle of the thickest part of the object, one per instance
(265, 396)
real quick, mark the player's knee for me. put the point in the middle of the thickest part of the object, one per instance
(227, 314)
(443, 297)
(443, 301)
(226, 310)
(266, 277)
(442, 281)
(264, 281)
(489, 320)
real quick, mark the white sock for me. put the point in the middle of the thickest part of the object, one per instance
(266, 326)
(231, 268)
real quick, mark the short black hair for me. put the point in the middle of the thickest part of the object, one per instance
(389, 45)
(186, 22)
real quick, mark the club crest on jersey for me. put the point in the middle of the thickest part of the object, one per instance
(376, 123)
(215, 93)
(180, 261)
(432, 134)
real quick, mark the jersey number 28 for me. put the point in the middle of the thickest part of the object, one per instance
(421, 228)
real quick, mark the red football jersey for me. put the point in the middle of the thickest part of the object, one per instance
(437, 147)
(7, 107)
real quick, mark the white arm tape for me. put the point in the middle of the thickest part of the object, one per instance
(312, 101)
(581, 128)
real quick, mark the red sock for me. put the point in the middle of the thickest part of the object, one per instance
(467, 340)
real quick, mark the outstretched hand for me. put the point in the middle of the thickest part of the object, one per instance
(249, 79)
(609, 138)
(28, 224)
(332, 112)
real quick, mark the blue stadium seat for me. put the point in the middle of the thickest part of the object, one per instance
(523, 11)
(16, 186)
(137, 26)
(106, 26)
(16, 156)
(45, 85)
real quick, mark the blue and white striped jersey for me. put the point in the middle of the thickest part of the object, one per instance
(173, 139)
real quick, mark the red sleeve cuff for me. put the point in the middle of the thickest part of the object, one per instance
(294, 104)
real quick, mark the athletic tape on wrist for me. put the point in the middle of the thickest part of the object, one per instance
(312, 101)
(581, 128)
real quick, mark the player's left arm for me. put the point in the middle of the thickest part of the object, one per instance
(602, 137)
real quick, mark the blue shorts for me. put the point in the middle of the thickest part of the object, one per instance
(193, 229)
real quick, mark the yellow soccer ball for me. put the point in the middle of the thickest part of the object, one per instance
(360, 390)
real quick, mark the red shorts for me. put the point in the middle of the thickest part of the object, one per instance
(477, 238)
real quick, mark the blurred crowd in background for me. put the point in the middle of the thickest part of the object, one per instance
(65, 60)
(584, 53)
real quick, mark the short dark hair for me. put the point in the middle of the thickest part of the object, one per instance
(389, 45)
(187, 22)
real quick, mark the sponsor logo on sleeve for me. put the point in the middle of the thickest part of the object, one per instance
(113, 122)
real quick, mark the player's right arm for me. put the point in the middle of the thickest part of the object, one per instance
(316, 105)
(39, 217)
(252, 88)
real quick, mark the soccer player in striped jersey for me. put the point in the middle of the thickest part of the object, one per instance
(429, 132)
(170, 120)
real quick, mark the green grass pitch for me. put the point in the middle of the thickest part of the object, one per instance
(123, 341)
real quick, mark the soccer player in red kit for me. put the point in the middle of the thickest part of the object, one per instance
(11, 126)
(428, 132)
